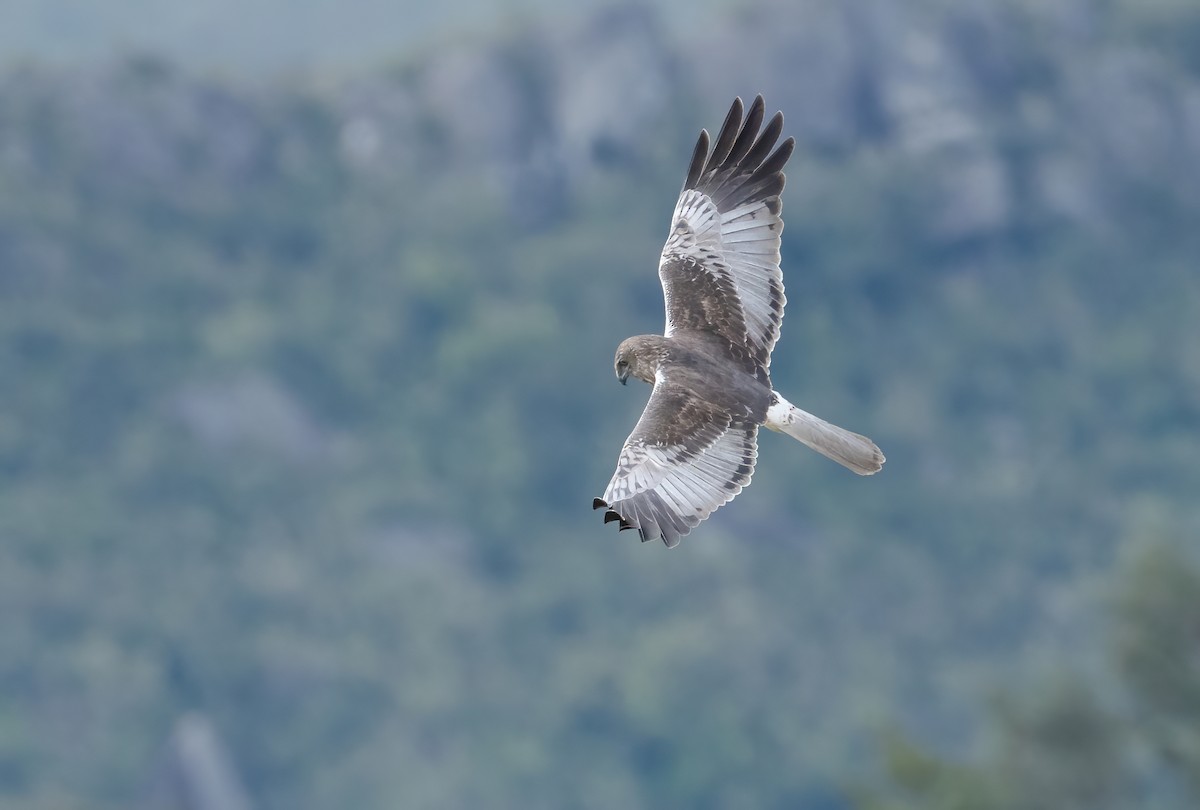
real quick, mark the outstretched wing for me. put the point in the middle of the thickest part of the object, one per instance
(720, 267)
(684, 459)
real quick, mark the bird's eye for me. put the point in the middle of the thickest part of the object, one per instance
(621, 364)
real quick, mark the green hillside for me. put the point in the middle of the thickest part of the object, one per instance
(308, 390)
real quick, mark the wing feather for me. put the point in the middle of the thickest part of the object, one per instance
(725, 139)
(699, 155)
(747, 137)
(684, 459)
(720, 266)
(765, 142)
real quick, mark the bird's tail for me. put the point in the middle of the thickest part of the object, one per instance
(855, 452)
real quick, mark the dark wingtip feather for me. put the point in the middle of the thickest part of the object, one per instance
(758, 108)
(746, 138)
(745, 164)
(777, 159)
(728, 134)
(650, 516)
(766, 141)
(699, 158)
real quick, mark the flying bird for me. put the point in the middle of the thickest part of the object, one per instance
(694, 447)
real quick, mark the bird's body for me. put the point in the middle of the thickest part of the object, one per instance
(695, 446)
(703, 366)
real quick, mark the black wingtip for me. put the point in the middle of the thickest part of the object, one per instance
(765, 141)
(733, 118)
(669, 534)
(699, 159)
(748, 134)
(727, 134)
(774, 163)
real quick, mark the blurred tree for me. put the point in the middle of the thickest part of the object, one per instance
(307, 390)
(1157, 650)
(1061, 747)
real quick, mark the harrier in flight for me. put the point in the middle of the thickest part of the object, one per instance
(695, 445)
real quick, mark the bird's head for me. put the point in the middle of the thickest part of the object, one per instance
(638, 357)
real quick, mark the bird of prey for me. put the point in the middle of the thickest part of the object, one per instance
(694, 447)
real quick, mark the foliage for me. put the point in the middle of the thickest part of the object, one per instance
(305, 411)
(1063, 745)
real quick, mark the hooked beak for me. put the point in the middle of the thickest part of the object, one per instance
(623, 376)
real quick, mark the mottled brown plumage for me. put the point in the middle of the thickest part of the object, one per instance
(695, 445)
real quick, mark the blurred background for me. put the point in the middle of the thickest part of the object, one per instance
(307, 313)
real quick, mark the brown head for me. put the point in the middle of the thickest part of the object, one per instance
(639, 357)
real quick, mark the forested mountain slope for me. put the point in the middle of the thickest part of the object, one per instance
(308, 389)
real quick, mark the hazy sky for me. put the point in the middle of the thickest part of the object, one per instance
(245, 35)
(240, 36)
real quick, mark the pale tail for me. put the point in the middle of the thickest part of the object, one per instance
(855, 452)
